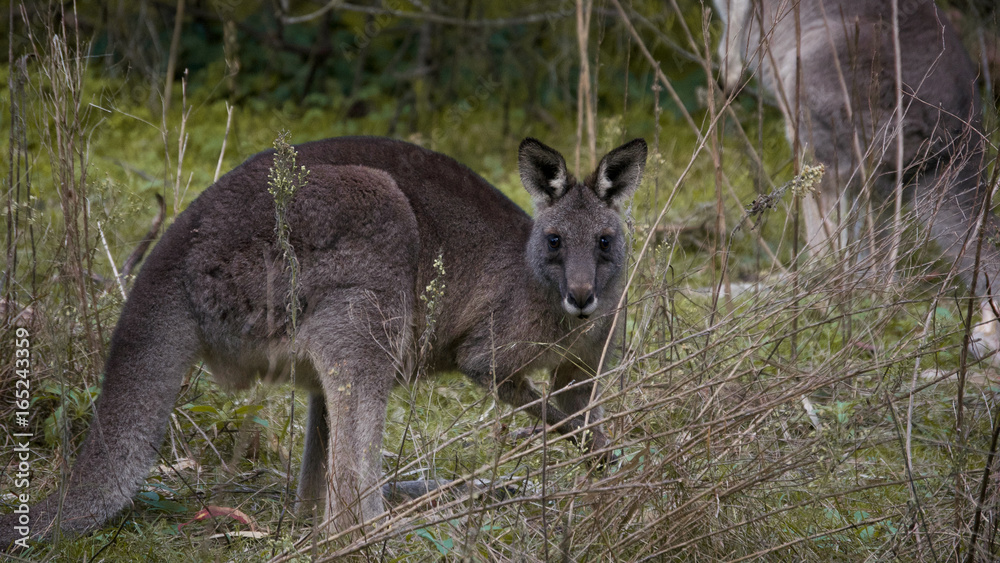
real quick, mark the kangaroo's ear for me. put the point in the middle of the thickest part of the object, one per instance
(543, 171)
(620, 171)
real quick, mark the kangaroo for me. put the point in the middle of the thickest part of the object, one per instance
(839, 99)
(375, 214)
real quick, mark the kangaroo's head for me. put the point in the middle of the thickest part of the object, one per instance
(577, 246)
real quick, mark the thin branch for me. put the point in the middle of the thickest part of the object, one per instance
(431, 17)
(897, 210)
(225, 137)
(168, 82)
(584, 103)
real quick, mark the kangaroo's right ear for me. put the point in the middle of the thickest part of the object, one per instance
(543, 171)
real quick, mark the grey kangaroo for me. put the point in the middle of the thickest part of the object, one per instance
(842, 107)
(520, 295)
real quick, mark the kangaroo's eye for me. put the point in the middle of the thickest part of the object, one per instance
(554, 241)
(605, 242)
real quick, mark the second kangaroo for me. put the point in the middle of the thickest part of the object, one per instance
(831, 65)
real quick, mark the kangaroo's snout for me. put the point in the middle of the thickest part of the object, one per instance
(580, 300)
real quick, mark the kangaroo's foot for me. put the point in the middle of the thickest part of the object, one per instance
(985, 342)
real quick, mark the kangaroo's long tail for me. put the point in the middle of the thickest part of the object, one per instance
(153, 345)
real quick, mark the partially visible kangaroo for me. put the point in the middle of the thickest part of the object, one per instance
(367, 228)
(842, 108)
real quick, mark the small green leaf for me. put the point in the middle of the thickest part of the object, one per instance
(443, 546)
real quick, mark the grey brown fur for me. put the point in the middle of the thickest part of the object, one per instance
(842, 109)
(366, 229)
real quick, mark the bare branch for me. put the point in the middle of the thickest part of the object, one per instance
(430, 17)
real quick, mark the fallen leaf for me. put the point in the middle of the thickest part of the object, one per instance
(217, 511)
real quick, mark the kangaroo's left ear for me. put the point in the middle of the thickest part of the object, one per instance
(620, 171)
(543, 172)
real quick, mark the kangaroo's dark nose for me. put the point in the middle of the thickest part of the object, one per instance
(581, 296)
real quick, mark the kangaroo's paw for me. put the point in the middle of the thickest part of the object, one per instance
(597, 447)
(985, 340)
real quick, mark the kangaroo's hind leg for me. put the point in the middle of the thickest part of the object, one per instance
(359, 271)
(312, 476)
(356, 347)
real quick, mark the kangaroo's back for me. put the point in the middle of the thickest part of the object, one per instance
(477, 233)
(448, 199)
